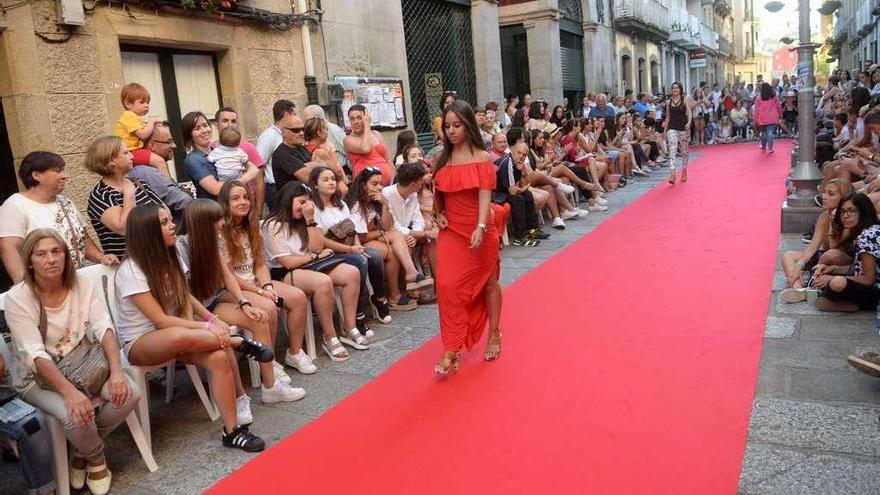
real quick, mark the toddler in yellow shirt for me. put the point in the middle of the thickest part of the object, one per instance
(134, 127)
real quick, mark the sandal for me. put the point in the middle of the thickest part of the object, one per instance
(493, 349)
(405, 303)
(335, 349)
(99, 486)
(355, 339)
(448, 364)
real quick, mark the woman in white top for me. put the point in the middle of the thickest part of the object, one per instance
(156, 318)
(241, 247)
(212, 282)
(375, 229)
(296, 255)
(334, 219)
(41, 205)
(51, 314)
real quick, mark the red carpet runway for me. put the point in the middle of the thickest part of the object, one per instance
(635, 376)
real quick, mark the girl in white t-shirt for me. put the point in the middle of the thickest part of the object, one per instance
(241, 247)
(157, 318)
(212, 282)
(296, 255)
(375, 229)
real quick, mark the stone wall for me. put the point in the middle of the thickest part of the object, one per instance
(60, 88)
(366, 41)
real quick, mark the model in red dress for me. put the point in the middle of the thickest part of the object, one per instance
(468, 293)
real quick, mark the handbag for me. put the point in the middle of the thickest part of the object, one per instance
(343, 231)
(325, 264)
(86, 366)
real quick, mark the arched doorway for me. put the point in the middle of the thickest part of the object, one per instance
(625, 72)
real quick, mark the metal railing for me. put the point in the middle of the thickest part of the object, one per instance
(708, 37)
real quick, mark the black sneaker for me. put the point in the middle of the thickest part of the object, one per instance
(360, 321)
(525, 242)
(256, 350)
(242, 438)
(382, 308)
(807, 237)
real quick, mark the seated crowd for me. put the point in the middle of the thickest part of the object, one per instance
(314, 217)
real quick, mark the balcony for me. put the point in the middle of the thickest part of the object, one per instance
(723, 7)
(684, 30)
(647, 18)
(724, 46)
(708, 38)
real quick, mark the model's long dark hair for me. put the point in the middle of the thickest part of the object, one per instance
(767, 91)
(466, 115)
(205, 275)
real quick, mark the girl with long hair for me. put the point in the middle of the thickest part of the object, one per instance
(677, 125)
(468, 292)
(375, 229)
(297, 256)
(156, 319)
(241, 246)
(768, 111)
(856, 287)
(334, 219)
(212, 282)
(536, 117)
(825, 239)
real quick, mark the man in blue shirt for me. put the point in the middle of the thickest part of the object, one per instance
(641, 106)
(602, 109)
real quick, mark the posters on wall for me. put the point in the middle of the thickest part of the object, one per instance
(382, 96)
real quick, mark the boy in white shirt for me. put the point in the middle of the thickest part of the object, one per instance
(403, 203)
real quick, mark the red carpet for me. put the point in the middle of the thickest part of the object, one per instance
(635, 377)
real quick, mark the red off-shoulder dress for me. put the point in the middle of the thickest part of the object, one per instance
(462, 272)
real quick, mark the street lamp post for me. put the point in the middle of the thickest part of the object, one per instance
(799, 211)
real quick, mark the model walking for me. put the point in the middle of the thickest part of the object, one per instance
(677, 125)
(468, 293)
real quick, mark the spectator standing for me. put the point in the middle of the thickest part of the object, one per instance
(269, 140)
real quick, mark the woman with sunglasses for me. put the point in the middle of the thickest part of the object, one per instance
(365, 146)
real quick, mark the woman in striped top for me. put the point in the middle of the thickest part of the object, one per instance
(114, 196)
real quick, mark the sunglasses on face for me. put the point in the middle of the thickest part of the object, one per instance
(295, 130)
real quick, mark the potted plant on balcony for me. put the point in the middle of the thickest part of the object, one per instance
(210, 6)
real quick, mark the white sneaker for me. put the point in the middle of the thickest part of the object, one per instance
(602, 201)
(243, 414)
(301, 362)
(569, 214)
(583, 213)
(558, 223)
(639, 171)
(597, 207)
(565, 188)
(280, 374)
(281, 392)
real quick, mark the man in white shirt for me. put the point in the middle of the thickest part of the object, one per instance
(403, 203)
(269, 140)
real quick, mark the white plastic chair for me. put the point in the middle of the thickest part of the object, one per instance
(59, 441)
(105, 277)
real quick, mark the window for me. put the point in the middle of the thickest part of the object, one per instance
(625, 70)
(179, 81)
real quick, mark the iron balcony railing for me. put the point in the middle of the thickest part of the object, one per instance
(648, 16)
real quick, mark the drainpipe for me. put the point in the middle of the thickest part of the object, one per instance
(310, 82)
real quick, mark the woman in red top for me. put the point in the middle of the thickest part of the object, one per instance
(365, 146)
(467, 286)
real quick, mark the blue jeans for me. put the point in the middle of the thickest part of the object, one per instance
(768, 132)
(35, 448)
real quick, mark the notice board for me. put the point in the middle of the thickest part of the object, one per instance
(383, 97)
